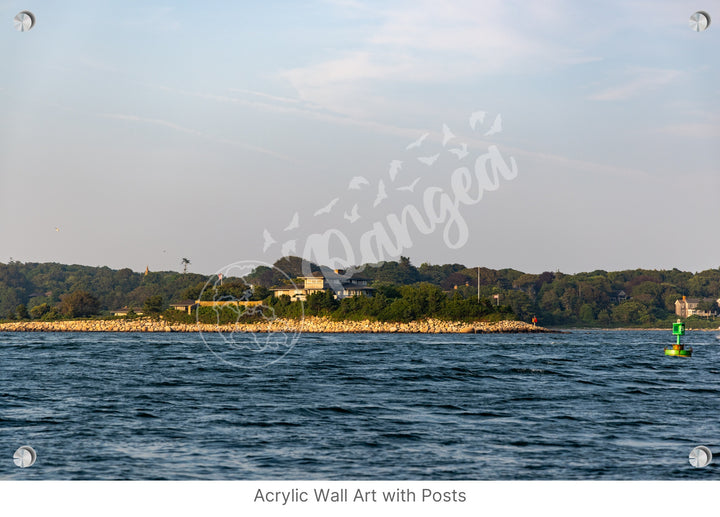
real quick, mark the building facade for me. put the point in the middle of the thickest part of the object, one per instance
(688, 307)
(342, 287)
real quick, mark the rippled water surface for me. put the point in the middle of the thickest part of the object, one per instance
(583, 405)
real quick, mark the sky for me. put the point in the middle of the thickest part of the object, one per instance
(536, 135)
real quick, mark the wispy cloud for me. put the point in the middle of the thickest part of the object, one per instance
(156, 19)
(286, 100)
(693, 130)
(436, 42)
(194, 132)
(478, 143)
(640, 81)
(277, 104)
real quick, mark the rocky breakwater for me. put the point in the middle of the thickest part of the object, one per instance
(310, 325)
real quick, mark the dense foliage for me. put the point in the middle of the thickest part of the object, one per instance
(402, 292)
(41, 288)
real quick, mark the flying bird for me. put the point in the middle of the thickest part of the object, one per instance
(478, 116)
(269, 241)
(418, 142)
(496, 126)
(294, 223)
(353, 215)
(287, 248)
(428, 160)
(357, 182)
(381, 194)
(411, 187)
(447, 135)
(395, 167)
(461, 152)
(326, 209)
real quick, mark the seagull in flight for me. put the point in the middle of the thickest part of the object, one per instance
(294, 223)
(395, 167)
(496, 126)
(353, 215)
(478, 116)
(357, 182)
(381, 194)
(418, 142)
(287, 248)
(326, 209)
(411, 187)
(269, 241)
(461, 152)
(429, 160)
(447, 134)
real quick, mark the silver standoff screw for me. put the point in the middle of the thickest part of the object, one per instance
(700, 457)
(24, 457)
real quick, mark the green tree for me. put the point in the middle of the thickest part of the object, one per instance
(603, 317)
(21, 312)
(153, 305)
(321, 303)
(630, 312)
(260, 293)
(586, 313)
(703, 305)
(79, 304)
(39, 311)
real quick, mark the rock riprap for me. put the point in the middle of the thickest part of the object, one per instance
(310, 324)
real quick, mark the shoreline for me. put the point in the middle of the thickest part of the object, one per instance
(307, 325)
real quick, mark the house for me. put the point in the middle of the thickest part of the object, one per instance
(353, 286)
(688, 307)
(619, 297)
(184, 306)
(311, 284)
(189, 305)
(227, 303)
(342, 287)
(125, 310)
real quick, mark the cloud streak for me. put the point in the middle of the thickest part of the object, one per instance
(437, 42)
(190, 131)
(641, 81)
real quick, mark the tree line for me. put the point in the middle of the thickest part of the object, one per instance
(403, 291)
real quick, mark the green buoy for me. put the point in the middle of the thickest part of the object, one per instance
(677, 349)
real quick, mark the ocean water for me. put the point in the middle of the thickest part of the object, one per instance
(587, 405)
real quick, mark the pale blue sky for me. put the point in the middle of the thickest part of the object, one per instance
(149, 131)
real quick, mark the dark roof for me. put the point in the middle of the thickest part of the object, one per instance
(125, 309)
(184, 303)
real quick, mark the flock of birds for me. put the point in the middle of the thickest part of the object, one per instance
(381, 193)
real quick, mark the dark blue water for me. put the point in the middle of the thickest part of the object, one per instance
(584, 405)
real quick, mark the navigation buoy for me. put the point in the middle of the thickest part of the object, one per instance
(24, 21)
(677, 349)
